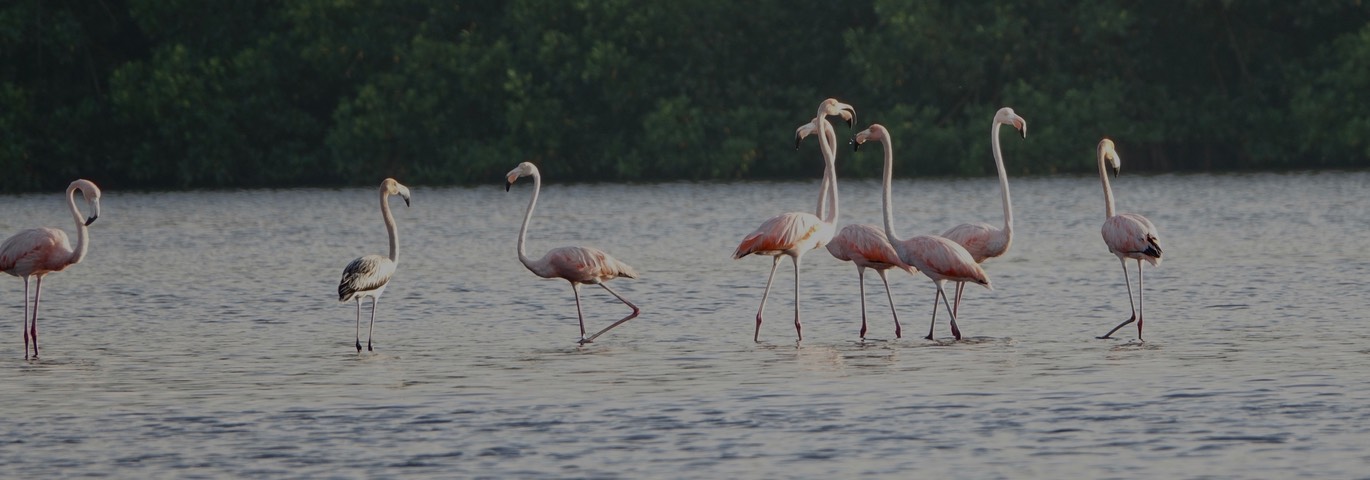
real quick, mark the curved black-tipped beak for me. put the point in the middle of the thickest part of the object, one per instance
(507, 185)
(406, 201)
(1115, 172)
(797, 141)
(91, 219)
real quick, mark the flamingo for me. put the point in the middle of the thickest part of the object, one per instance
(578, 265)
(863, 245)
(1128, 235)
(795, 233)
(369, 275)
(982, 240)
(939, 258)
(40, 251)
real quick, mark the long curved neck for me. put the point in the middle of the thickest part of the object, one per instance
(887, 201)
(1108, 189)
(523, 231)
(1003, 179)
(390, 227)
(82, 236)
(828, 141)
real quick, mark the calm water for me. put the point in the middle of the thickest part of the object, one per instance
(201, 338)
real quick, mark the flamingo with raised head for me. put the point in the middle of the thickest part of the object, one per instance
(982, 240)
(942, 260)
(40, 251)
(863, 245)
(794, 234)
(1128, 235)
(369, 275)
(578, 265)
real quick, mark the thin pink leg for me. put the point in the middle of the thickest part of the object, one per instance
(620, 321)
(33, 327)
(775, 262)
(575, 288)
(798, 330)
(898, 331)
(371, 329)
(1134, 317)
(26, 317)
(861, 282)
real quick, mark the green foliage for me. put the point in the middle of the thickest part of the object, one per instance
(180, 93)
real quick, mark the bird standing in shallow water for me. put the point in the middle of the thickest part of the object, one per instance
(1128, 235)
(369, 275)
(40, 251)
(578, 265)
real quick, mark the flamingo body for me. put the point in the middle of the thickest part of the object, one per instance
(368, 275)
(789, 234)
(1129, 236)
(868, 247)
(575, 264)
(37, 252)
(981, 240)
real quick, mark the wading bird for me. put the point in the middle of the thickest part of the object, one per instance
(794, 234)
(1128, 235)
(369, 275)
(578, 265)
(40, 251)
(942, 260)
(982, 240)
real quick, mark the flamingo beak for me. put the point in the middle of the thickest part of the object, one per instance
(855, 145)
(95, 212)
(1021, 125)
(798, 140)
(91, 220)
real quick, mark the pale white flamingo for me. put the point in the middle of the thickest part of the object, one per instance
(1128, 235)
(982, 240)
(942, 260)
(578, 265)
(369, 275)
(40, 251)
(863, 245)
(794, 234)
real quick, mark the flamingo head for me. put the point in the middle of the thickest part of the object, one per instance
(523, 170)
(804, 131)
(91, 194)
(392, 187)
(833, 107)
(876, 132)
(1108, 152)
(1006, 116)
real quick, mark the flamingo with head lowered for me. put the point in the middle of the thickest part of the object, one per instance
(863, 245)
(578, 265)
(794, 234)
(39, 251)
(982, 240)
(942, 260)
(1128, 235)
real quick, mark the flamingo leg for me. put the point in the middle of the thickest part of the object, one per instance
(25, 328)
(798, 330)
(1127, 281)
(359, 325)
(898, 331)
(861, 282)
(371, 328)
(956, 307)
(620, 321)
(775, 262)
(575, 288)
(955, 332)
(1140, 291)
(33, 327)
(934, 310)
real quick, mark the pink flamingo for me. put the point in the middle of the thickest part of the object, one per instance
(942, 260)
(863, 245)
(982, 240)
(578, 265)
(795, 233)
(40, 251)
(1128, 235)
(369, 275)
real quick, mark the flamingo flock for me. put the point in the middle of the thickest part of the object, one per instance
(954, 256)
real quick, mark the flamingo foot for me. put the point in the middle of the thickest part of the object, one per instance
(584, 340)
(368, 346)
(1121, 325)
(359, 346)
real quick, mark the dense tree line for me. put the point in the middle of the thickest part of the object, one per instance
(187, 93)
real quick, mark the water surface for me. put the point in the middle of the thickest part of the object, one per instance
(201, 338)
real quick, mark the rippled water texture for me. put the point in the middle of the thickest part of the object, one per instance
(202, 338)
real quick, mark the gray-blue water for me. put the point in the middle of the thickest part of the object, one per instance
(201, 338)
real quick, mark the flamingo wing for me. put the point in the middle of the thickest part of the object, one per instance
(784, 233)
(586, 265)
(36, 250)
(363, 275)
(982, 240)
(867, 246)
(939, 257)
(1129, 235)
